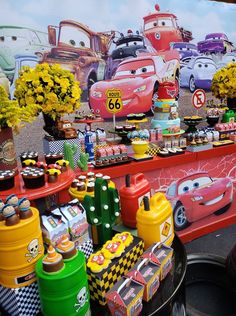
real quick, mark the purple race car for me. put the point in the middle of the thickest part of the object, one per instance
(185, 49)
(197, 73)
(215, 43)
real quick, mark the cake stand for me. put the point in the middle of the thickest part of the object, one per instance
(192, 125)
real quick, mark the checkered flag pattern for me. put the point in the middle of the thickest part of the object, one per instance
(22, 301)
(53, 146)
(86, 248)
(100, 283)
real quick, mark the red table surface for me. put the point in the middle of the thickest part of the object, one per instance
(63, 182)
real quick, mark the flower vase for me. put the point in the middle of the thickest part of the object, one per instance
(49, 126)
(231, 104)
(7, 150)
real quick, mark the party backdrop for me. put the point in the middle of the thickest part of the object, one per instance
(188, 43)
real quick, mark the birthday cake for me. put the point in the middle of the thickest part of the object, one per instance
(166, 116)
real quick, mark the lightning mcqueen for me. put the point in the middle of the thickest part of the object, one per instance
(138, 79)
(196, 196)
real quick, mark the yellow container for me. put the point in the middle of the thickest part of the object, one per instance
(21, 246)
(155, 221)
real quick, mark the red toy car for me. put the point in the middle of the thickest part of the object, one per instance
(198, 195)
(137, 79)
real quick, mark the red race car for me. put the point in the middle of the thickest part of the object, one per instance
(138, 79)
(198, 195)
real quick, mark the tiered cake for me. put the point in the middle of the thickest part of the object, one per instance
(166, 116)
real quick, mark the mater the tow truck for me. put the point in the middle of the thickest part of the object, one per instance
(79, 50)
(161, 29)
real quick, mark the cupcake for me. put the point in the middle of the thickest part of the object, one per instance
(90, 187)
(66, 248)
(140, 116)
(74, 183)
(51, 158)
(24, 208)
(128, 128)
(81, 186)
(10, 216)
(98, 162)
(99, 175)
(33, 177)
(29, 155)
(119, 128)
(64, 164)
(82, 178)
(131, 117)
(7, 179)
(90, 175)
(53, 261)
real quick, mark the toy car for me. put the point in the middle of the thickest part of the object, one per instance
(28, 162)
(126, 46)
(198, 195)
(226, 59)
(185, 49)
(137, 79)
(215, 43)
(197, 73)
(64, 130)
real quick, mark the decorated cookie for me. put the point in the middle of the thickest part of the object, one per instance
(126, 238)
(113, 248)
(97, 262)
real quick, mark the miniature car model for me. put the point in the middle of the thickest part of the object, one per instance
(17, 39)
(137, 79)
(161, 29)
(64, 130)
(226, 59)
(185, 49)
(80, 50)
(28, 162)
(215, 43)
(198, 195)
(126, 46)
(22, 60)
(197, 73)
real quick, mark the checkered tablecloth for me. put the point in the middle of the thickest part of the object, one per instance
(22, 301)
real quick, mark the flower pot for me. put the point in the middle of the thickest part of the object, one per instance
(7, 150)
(231, 104)
(49, 126)
(212, 120)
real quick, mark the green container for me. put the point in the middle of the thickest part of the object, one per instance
(64, 292)
(227, 116)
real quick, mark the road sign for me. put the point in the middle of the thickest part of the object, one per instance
(114, 103)
(198, 98)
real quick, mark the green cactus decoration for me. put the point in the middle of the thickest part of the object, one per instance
(102, 210)
(83, 162)
(69, 151)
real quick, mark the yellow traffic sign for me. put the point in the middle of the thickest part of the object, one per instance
(166, 229)
(114, 103)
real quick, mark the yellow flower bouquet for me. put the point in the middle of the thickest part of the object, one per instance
(52, 88)
(224, 82)
(12, 114)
